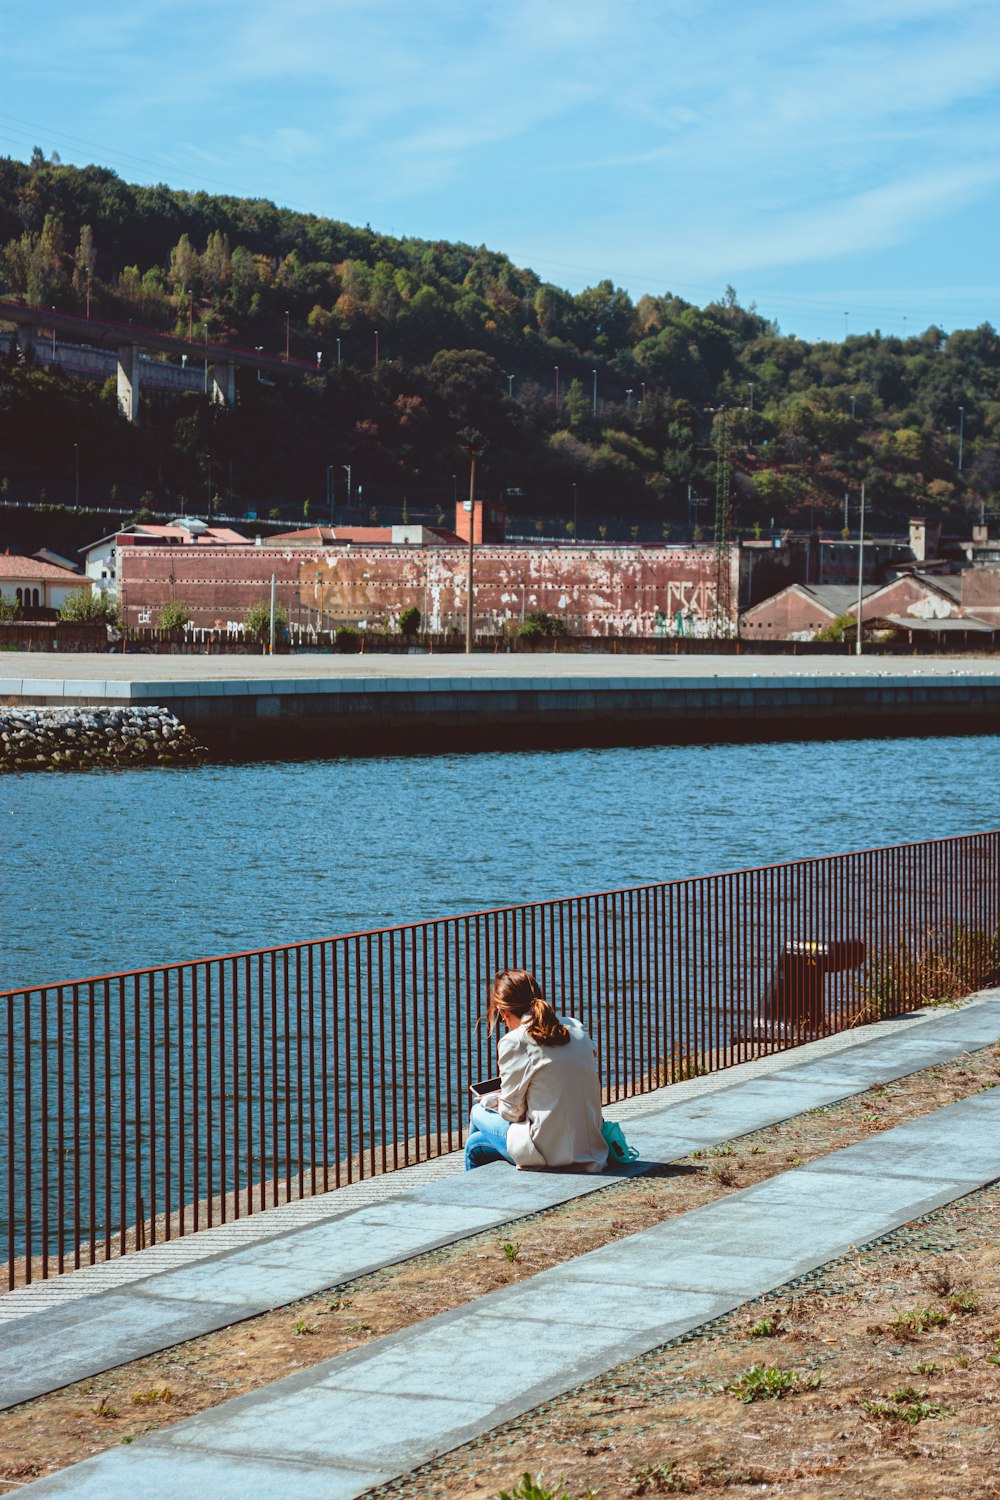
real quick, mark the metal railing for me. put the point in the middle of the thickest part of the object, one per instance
(147, 1105)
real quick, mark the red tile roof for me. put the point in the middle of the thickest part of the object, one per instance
(14, 568)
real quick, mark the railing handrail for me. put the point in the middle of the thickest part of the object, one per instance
(174, 966)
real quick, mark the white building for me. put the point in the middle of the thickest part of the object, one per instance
(36, 585)
(101, 557)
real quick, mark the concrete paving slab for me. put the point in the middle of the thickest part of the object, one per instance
(332, 1424)
(461, 1352)
(217, 1477)
(536, 1190)
(869, 1193)
(124, 1323)
(596, 1295)
(910, 1150)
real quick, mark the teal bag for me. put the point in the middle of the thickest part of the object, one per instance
(618, 1147)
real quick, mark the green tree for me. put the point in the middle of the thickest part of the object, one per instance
(539, 625)
(174, 615)
(844, 627)
(257, 620)
(89, 604)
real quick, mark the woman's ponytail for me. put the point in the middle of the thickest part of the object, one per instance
(515, 992)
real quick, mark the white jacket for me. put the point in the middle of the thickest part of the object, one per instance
(552, 1097)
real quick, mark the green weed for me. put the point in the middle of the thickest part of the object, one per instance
(766, 1328)
(659, 1479)
(512, 1250)
(907, 1405)
(152, 1397)
(767, 1383)
(301, 1328)
(917, 1320)
(683, 1065)
(529, 1488)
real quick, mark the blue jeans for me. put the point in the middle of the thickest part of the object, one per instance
(487, 1138)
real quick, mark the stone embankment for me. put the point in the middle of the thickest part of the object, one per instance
(68, 739)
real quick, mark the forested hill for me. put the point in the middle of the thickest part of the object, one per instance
(439, 343)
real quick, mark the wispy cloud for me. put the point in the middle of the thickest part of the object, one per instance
(709, 140)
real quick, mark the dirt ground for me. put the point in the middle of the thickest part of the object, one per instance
(910, 1327)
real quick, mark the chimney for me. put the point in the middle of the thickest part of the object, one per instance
(925, 537)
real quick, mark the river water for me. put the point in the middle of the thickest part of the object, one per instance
(108, 871)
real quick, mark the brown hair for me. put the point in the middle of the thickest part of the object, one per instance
(515, 992)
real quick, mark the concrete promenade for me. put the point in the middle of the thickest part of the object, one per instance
(327, 704)
(347, 1424)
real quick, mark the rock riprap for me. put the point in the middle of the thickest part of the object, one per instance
(70, 739)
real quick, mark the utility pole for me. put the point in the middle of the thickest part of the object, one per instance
(473, 451)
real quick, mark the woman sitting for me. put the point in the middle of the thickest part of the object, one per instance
(548, 1109)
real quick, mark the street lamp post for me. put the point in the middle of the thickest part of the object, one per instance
(288, 335)
(593, 403)
(556, 368)
(347, 471)
(510, 385)
(338, 353)
(376, 348)
(53, 340)
(961, 435)
(628, 399)
(473, 452)
(861, 567)
(76, 464)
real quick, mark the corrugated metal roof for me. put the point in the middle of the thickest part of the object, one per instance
(939, 627)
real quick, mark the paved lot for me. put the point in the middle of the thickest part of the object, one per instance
(547, 665)
(353, 1422)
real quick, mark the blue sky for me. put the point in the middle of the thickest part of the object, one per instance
(838, 164)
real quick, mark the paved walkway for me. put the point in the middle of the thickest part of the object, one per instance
(347, 1424)
(149, 1309)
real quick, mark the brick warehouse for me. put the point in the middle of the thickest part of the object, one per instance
(598, 590)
